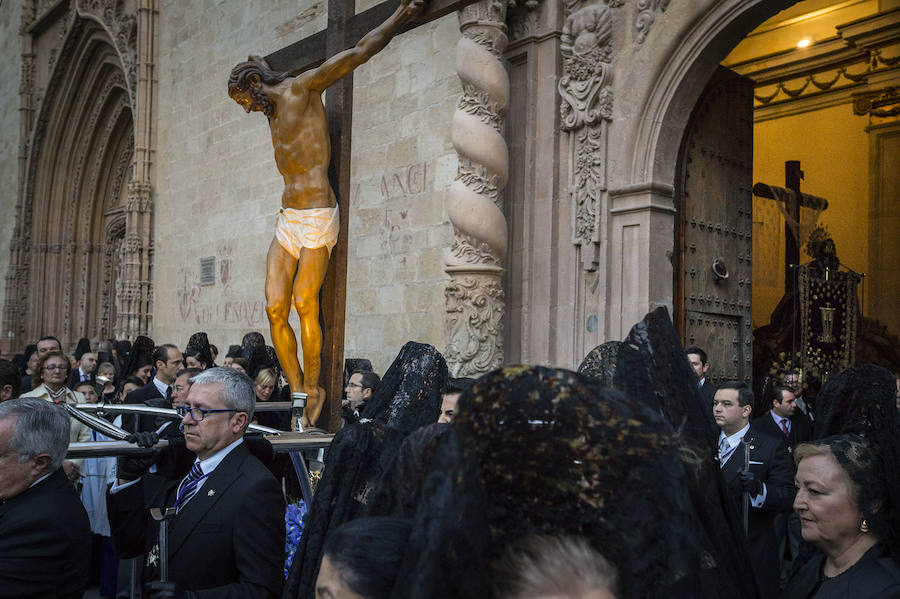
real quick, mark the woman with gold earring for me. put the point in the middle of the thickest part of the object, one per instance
(841, 504)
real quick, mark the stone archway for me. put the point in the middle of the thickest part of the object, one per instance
(76, 179)
(643, 176)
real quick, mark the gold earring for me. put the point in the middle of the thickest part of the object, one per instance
(864, 527)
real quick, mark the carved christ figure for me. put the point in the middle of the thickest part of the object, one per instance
(307, 226)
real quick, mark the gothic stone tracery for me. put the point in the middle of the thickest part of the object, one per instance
(85, 173)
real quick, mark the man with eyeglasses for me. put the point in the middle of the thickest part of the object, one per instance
(361, 386)
(226, 538)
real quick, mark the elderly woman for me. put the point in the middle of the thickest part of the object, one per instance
(50, 378)
(841, 504)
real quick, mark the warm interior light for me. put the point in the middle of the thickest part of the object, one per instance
(803, 43)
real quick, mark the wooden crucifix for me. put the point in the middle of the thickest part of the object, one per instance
(788, 195)
(307, 261)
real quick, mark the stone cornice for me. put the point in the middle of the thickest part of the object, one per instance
(651, 196)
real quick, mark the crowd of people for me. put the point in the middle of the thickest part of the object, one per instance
(635, 477)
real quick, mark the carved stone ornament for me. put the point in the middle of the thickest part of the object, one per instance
(123, 29)
(586, 95)
(474, 297)
(884, 103)
(475, 308)
(646, 15)
(522, 19)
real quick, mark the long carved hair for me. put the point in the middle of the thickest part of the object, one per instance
(240, 74)
(239, 80)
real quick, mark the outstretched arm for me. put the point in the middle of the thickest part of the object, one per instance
(371, 44)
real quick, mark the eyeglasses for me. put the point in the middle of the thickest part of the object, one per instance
(355, 385)
(198, 414)
(54, 367)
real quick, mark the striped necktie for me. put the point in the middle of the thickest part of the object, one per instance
(723, 449)
(785, 429)
(188, 486)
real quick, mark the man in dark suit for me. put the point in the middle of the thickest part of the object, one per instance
(767, 486)
(168, 361)
(700, 366)
(226, 539)
(86, 371)
(785, 421)
(793, 381)
(45, 535)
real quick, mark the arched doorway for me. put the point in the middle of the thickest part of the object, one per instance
(832, 111)
(75, 186)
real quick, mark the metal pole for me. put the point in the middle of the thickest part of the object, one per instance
(303, 474)
(163, 518)
(746, 498)
(132, 585)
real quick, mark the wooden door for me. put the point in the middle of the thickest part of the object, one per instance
(713, 270)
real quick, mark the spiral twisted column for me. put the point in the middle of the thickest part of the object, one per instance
(474, 299)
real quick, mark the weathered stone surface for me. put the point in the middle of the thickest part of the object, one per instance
(10, 47)
(219, 190)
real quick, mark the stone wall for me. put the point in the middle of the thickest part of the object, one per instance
(10, 72)
(218, 188)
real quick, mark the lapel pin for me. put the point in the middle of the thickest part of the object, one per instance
(211, 493)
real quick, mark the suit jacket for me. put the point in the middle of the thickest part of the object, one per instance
(45, 542)
(227, 541)
(769, 463)
(75, 378)
(801, 428)
(708, 391)
(147, 395)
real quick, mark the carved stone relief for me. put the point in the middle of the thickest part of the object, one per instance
(522, 19)
(586, 96)
(645, 17)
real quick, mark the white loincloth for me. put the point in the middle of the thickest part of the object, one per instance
(307, 228)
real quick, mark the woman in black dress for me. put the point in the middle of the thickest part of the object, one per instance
(840, 501)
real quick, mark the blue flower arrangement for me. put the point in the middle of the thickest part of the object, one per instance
(294, 520)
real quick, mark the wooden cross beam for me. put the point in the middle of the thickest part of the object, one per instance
(313, 50)
(344, 30)
(792, 177)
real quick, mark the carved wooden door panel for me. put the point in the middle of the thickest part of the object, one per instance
(713, 271)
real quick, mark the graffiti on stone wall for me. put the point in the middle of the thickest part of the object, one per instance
(214, 305)
(394, 228)
(405, 181)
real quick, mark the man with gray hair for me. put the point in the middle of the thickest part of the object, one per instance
(227, 534)
(45, 535)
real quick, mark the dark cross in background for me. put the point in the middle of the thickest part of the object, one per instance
(344, 30)
(792, 177)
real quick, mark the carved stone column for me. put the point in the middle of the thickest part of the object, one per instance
(133, 316)
(134, 307)
(474, 297)
(15, 308)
